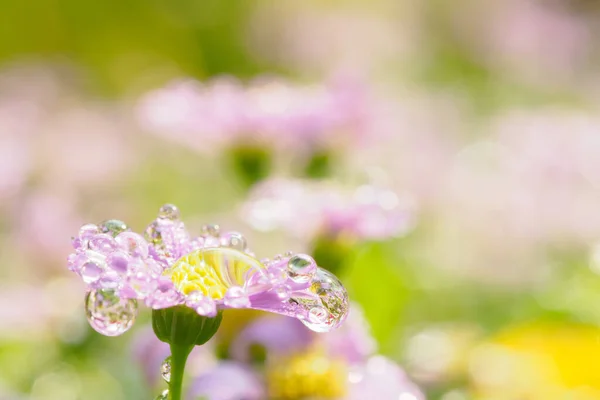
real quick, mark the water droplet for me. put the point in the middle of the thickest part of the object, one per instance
(109, 314)
(165, 369)
(236, 297)
(169, 211)
(118, 261)
(164, 395)
(133, 243)
(301, 268)
(288, 253)
(113, 227)
(317, 315)
(211, 242)
(90, 272)
(211, 230)
(193, 298)
(87, 231)
(278, 257)
(92, 266)
(165, 295)
(207, 308)
(235, 241)
(283, 292)
(109, 280)
(142, 283)
(102, 243)
(331, 305)
(202, 304)
(278, 276)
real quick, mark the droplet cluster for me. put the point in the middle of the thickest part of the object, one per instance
(215, 270)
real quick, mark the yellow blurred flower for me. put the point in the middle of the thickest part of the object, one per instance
(538, 362)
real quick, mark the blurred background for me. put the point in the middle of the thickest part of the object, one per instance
(442, 158)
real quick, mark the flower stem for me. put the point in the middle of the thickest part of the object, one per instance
(179, 355)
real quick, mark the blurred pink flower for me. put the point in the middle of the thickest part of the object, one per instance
(415, 138)
(44, 224)
(149, 353)
(308, 209)
(542, 42)
(228, 381)
(50, 130)
(268, 112)
(56, 146)
(84, 146)
(350, 349)
(533, 183)
(41, 310)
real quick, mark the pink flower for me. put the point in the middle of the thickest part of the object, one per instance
(207, 273)
(307, 209)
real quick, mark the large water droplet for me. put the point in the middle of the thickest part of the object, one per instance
(165, 369)
(109, 314)
(113, 227)
(163, 396)
(331, 308)
(168, 211)
(301, 268)
(235, 241)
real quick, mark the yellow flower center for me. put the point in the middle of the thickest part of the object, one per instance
(307, 375)
(212, 271)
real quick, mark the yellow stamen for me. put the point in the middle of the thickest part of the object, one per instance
(307, 375)
(213, 271)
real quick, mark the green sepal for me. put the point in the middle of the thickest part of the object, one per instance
(182, 326)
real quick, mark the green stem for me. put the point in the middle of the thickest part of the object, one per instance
(179, 355)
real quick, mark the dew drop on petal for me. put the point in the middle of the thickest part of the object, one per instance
(169, 211)
(301, 268)
(331, 306)
(235, 241)
(90, 272)
(193, 298)
(165, 369)
(113, 227)
(87, 231)
(102, 243)
(283, 292)
(211, 241)
(211, 230)
(142, 283)
(92, 266)
(288, 253)
(317, 315)
(163, 396)
(207, 308)
(236, 297)
(109, 314)
(133, 243)
(118, 261)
